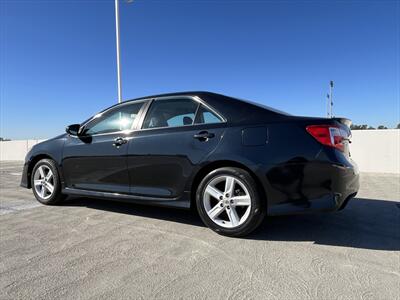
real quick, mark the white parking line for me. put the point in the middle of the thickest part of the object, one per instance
(11, 209)
(9, 167)
(16, 173)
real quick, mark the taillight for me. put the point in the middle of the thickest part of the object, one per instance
(328, 135)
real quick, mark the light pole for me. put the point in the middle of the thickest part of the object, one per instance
(118, 54)
(327, 105)
(329, 101)
(331, 98)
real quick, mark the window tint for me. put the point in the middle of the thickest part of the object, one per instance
(117, 119)
(170, 113)
(205, 116)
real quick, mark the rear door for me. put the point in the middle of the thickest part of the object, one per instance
(97, 159)
(177, 133)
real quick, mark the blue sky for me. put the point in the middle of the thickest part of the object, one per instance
(58, 57)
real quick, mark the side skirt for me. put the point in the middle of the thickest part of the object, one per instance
(181, 202)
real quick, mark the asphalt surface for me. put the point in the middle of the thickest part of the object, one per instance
(89, 248)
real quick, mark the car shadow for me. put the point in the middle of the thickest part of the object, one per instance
(163, 213)
(364, 223)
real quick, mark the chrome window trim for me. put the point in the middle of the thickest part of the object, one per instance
(224, 120)
(196, 112)
(134, 124)
(138, 123)
(195, 99)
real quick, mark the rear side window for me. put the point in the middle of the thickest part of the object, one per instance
(206, 116)
(170, 113)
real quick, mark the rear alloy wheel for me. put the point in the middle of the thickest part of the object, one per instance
(229, 203)
(45, 182)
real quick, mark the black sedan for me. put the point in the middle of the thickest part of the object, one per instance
(233, 160)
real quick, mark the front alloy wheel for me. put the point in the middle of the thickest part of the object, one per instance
(229, 203)
(45, 182)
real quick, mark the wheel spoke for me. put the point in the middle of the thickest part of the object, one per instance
(229, 185)
(41, 171)
(37, 182)
(231, 193)
(49, 187)
(241, 200)
(233, 216)
(212, 191)
(42, 191)
(215, 211)
(49, 175)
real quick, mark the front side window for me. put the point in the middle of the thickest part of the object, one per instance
(118, 119)
(171, 113)
(206, 116)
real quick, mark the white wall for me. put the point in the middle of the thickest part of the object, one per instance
(16, 150)
(373, 150)
(376, 150)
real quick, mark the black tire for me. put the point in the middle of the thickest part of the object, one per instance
(258, 205)
(56, 196)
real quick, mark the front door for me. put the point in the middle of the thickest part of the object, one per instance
(96, 160)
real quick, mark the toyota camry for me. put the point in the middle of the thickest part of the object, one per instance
(233, 160)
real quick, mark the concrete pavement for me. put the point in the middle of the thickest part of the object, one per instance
(89, 248)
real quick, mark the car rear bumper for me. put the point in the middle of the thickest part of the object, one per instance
(319, 187)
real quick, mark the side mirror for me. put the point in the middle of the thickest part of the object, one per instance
(73, 129)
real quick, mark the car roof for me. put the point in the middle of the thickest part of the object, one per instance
(186, 93)
(233, 109)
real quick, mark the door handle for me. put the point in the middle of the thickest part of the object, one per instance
(204, 135)
(119, 141)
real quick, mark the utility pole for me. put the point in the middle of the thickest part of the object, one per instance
(331, 98)
(327, 105)
(118, 52)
